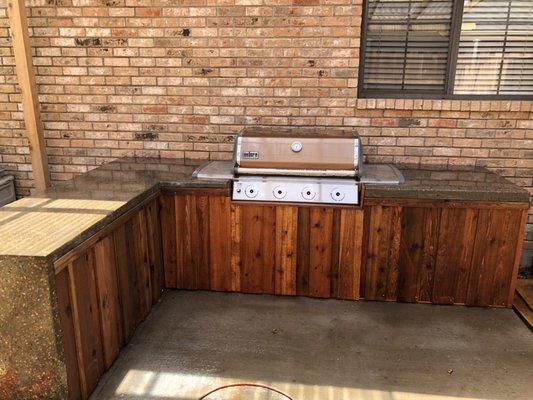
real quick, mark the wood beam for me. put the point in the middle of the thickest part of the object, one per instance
(30, 102)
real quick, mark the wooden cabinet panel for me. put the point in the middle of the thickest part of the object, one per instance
(416, 265)
(224, 274)
(155, 254)
(65, 308)
(88, 322)
(454, 255)
(350, 255)
(380, 268)
(168, 239)
(443, 254)
(192, 264)
(303, 250)
(138, 240)
(320, 247)
(108, 298)
(262, 248)
(497, 235)
(127, 280)
(105, 288)
(258, 235)
(286, 250)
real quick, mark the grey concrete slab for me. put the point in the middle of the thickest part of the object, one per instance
(311, 349)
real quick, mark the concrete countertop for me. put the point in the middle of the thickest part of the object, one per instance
(50, 223)
(443, 182)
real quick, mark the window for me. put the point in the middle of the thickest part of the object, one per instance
(447, 49)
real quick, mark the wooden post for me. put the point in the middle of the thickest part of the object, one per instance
(30, 102)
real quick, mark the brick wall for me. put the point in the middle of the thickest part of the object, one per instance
(148, 78)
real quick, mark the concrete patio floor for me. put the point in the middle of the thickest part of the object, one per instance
(311, 349)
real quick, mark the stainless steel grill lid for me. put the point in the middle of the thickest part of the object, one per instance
(298, 152)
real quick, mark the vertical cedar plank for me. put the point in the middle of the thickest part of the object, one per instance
(251, 248)
(187, 242)
(485, 252)
(142, 268)
(303, 251)
(350, 251)
(225, 276)
(395, 233)
(168, 233)
(335, 252)
(67, 334)
(202, 215)
(235, 239)
(429, 254)
(155, 255)
(88, 319)
(518, 253)
(191, 266)
(509, 235)
(286, 251)
(382, 227)
(268, 249)
(182, 239)
(321, 234)
(257, 248)
(411, 253)
(127, 280)
(108, 299)
(494, 256)
(454, 255)
(418, 253)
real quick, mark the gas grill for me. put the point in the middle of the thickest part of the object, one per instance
(298, 165)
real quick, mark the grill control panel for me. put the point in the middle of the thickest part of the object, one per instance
(296, 190)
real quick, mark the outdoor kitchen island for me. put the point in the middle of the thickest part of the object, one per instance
(82, 265)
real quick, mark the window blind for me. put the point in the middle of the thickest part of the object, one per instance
(407, 45)
(495, 48)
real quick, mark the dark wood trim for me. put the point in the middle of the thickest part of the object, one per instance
(445, 203)
(518, 255)
(77, 330)
(225, 191)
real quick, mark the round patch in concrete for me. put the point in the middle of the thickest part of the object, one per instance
(245, 392)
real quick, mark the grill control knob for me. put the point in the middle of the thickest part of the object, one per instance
(279, 192)
(308, 193)
(337, 194)
(296, 146)
(251, 191)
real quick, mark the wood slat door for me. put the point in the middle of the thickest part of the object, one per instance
(416, 263)
(65, 307)
(88, 325)
(380, 264)
(447, 254)
(457, 233)
(261, 248)
(104, 290)
(491, 274)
